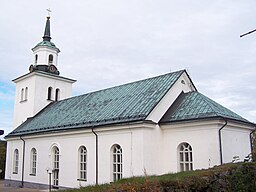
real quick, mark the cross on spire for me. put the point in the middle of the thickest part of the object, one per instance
(49, 11)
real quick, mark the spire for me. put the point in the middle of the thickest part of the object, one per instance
(47, 35)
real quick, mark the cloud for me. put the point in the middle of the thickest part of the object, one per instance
(107, 43)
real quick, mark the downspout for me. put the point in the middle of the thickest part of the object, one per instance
(220, 141)
(97, 161)
(251, 140)
(23, 163)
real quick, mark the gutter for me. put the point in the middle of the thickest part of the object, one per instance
(97, 157)
(251, 140)
(220, 141)
(23, 163)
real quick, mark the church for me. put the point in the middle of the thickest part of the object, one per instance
(153, 126)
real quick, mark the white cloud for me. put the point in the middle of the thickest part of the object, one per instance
(106, 43)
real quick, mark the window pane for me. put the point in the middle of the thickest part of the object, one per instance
(185, 157)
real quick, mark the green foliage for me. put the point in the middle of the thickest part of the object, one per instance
(225, 178)
(254, 146)
(2, 158)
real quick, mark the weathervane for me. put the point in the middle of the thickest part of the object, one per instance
(49, 11)
(248, 33)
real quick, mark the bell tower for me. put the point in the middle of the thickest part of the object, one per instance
(43, 84)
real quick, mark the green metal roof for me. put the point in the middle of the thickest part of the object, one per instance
(194, 105)
(121, 104)
(47, 44)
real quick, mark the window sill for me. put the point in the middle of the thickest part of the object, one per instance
(23, 101)
(49, 100)
(81, 179)
(14, 172)
(32, 174)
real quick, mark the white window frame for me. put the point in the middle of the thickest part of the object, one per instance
(185, 155)
(117, 162)
(55, 166)
(82, 163)
(15, 161)
(33, 161)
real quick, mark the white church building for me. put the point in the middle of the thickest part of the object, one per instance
(155, 126)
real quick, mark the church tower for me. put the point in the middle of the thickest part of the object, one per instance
(43, 84)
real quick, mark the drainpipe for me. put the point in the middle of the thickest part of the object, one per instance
(251, 140)
(97, 162)
(220, 141)
(23, 163)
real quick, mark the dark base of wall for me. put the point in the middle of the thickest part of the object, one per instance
(18, 184)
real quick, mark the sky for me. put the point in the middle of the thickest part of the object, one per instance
(107, 43)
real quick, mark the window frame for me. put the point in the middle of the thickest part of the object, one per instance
(117, 162)
(50, 59)
(82, 171)
(15, 161)
(26, 94)
(55, 166)
(49, 93)
(36, 59)
(57, 94)
(185, 157)
(22, 95)
(33, 162)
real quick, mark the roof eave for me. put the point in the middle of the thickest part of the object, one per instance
(208, 118)
(42, 73)
(66, 129)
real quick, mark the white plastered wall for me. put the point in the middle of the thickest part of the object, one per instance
(203, 138)
(37, 85)
(235, 141)
(43, 56)
(129, 138)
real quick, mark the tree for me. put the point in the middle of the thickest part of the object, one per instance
(2, 158)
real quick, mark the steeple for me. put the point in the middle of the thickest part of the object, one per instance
(43, 84)
(47, 34)
(45, 53)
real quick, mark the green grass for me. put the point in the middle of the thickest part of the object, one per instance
(228, 177)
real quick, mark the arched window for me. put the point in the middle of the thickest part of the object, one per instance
(49, 97)
(36, 58)
(57, 95)
(33, 159)
(55, 165)
(117, 166)
(22, 94)
(26, 93)
(185, 157)
(82, 163)
(50, 60)
(15, 161)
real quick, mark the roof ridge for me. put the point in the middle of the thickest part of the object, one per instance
(129, 83)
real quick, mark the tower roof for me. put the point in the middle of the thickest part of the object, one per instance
(47, 33)
(47, 37)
